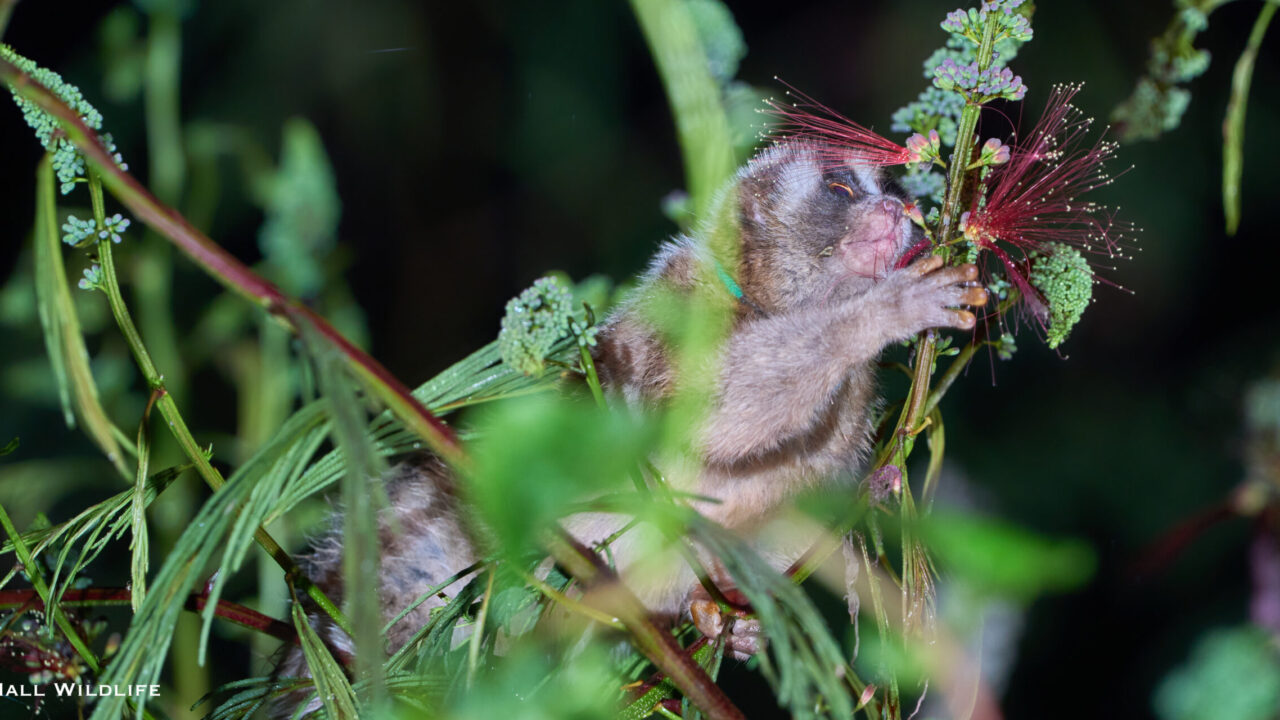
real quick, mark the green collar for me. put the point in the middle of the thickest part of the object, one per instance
(729, 283)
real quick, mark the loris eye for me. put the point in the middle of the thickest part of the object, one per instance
(840, 187)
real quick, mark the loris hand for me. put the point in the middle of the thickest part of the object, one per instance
(925, 295)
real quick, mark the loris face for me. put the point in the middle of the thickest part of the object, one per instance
(812, 219)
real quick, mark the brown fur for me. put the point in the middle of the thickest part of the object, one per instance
(821, 300)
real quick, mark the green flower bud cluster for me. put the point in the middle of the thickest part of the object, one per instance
(1063, 275)
(92, 279)
(956, 80)
(535, 321)
(81, 233)
(968, 23)
(1006, 346)
(978, 86)
(999, 287)
(921, 181)
(67, 160)
(934, 109)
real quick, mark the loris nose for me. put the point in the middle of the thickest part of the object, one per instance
(891, 207)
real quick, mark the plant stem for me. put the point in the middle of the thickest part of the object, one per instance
(6, 11)
(572, 605)
(949, 377)
(1233, 124)
(477, 633)
(968, 125)
(42, 588)
(926, 352)
(914, 586)
(593, 379)
(195, 603)
(169, 410)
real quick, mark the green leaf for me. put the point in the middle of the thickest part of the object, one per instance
(435, 639)
(104, 522)
(65, 343)
(246, 696)
(224, 524)
(360, 495)
(9, 447)
(528, 684)
(535, 457)
(720, 37)
(672, 34)
(47, 596)
(1233, 125)
(259, 483)
(302, 211)
(332, 686)
(1003, 559)
(479, 378)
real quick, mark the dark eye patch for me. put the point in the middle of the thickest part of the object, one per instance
(895, 189)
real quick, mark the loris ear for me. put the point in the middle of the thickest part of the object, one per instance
(753, 193)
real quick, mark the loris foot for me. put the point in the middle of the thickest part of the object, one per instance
(744, 639)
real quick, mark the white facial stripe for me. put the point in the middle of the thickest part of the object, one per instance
(793, 175)
(867, 180)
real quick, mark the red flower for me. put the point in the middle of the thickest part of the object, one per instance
(1034, 199)
(807, 119)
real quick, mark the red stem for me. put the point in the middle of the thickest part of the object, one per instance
(1158, 554)
(196, 602)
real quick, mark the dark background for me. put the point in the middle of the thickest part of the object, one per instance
(477, 145)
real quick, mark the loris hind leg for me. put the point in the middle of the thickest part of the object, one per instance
(422, 542)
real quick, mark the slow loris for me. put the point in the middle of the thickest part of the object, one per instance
(821, 296)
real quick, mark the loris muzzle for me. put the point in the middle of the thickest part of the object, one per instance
(819, 235)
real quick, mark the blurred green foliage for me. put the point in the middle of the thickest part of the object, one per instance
(1232, 673)
(993, 557)
(537, 456)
